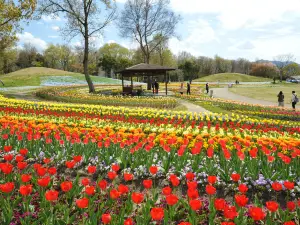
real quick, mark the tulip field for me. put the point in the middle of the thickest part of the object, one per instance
(92, 164)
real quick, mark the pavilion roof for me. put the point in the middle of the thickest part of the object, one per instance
(146, 68)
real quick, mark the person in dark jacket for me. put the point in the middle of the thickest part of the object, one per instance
(207, 88)
(188, 89)
(280, 99)
(156, 86)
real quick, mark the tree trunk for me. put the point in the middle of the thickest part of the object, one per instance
(86, 63)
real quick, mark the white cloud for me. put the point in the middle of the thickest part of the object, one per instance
(51, 18)
(199, 32)
(234, 14)
(56, 28)
(27, 37)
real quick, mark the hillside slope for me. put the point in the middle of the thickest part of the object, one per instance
(41, 76)
(231, 77)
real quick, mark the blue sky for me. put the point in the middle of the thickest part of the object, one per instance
(252, 29)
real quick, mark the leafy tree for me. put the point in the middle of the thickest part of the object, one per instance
(84, 18)
(265, 70)
(51, 56)
(291, 70)
(27, 56)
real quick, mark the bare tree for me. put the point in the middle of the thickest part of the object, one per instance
(282, 61)
(143, 20)
(84, 17)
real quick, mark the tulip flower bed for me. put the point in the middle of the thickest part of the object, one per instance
(248, 109)
(75, 95)
(66, 164)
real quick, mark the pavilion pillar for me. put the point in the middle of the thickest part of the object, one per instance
(131, 83)
(122, 82)
(166, 83)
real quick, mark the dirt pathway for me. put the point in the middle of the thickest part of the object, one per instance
(192, 107)
(226, 94)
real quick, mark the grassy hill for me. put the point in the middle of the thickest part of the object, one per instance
(231, 77)
(37, 76)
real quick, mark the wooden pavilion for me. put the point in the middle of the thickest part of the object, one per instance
(144, 70)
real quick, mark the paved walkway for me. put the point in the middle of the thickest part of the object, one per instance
(226, 94)
(192, 107)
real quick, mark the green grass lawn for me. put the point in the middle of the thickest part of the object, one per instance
(267, 92)
(231, 77)
(36, 76)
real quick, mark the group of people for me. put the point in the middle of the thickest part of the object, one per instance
(155, 87)
(294, 99)
(188, 88)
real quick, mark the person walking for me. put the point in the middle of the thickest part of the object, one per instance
(181, 88)
(156, 85)
(207, 88)
(295, 99)
(188, 90)
(153, 86)
(280, 99)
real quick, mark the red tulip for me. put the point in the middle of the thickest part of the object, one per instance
(7, 148)
(185, 223)
(167, 190)
(82, 203)
(41, 171)
(289, 185)
(211, 190)
(8, 157)
(25, 178)
(190, 176)
(227, 223)
(174, 180)
(211, 179)
(23, 151)
(289, 223)
(91, 169)
(153, 169)
(102, 184)
(192, 185)
(44, 182)
(277, 186)
(243, 188)
(220, 204)
(157, 213)
(77, 158)
(128, 176)
(272, 206)
(85, 181)
(21, 165)
(195, 204)
(291, 205)
(6, 168)
(235, 177)
(89, 190)
(7, 187)
(171, 199)
(19, 158)
(192, 193)
(25, 189)
(52, 170)
(70, 164)
(137, 198)
(257, 213)
(66, 186)
(230, 212)
(106, 218)
(147, 184)
(128, 221)
(51, 195)
(111, 175)
(241, 200)
(123, 189)
(114, 194)
(47, 160)
(115, 167)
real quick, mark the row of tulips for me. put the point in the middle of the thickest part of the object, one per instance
(271, 112)
(41, 193)
(63, 94)
(144, 113)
